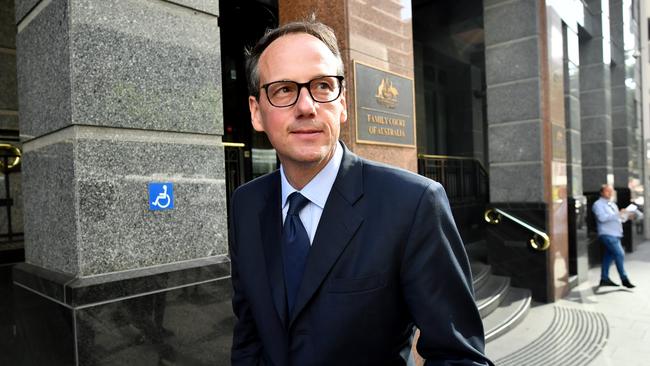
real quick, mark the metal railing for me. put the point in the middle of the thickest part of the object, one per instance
(493, 216)
(464, 179)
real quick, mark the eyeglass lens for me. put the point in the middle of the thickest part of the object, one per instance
(285, 93)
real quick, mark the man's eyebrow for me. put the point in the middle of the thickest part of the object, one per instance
(313, 78)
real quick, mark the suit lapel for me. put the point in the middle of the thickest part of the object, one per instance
(338, 224)
(270, 219)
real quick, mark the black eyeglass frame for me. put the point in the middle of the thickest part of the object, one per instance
(340, 79)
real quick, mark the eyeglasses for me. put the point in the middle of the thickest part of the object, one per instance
(285, 93)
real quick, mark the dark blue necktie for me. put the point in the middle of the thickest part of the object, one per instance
(295, 246)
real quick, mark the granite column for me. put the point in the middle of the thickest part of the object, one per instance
(117, 99)
(527, 143)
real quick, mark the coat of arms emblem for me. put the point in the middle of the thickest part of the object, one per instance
(387, 94)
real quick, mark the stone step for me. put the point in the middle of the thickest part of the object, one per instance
(490, 295)
(511, 310)
(480, 273)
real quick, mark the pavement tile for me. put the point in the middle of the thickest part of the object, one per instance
(627, 313)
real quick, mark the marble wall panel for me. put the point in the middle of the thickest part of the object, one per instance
(186, 326)
(43, 59)
(206, 6)
(595, 103)
(503, 31)
(174, 314)
(527, 187)
(595, 128)
(50, 201)
(92, 192)
(596, 153)
(512, 61)
(122, 64)
(514, 102)
(515, 142)
(592, 77)
(594, 177)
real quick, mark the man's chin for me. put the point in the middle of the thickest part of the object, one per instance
(310, 158)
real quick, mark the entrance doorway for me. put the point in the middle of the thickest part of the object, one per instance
(249, 154)
(449, 62)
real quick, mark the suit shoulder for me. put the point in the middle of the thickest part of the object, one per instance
(258, 186)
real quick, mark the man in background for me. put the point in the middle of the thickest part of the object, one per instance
(609, 220)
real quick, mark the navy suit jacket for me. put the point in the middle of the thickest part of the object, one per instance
(386, 256)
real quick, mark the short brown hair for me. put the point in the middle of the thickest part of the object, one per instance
(309, 26)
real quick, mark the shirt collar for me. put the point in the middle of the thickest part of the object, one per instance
(318, 189)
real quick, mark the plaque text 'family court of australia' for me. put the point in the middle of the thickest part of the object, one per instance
(384, 107)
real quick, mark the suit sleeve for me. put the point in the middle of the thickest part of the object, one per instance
(246, 345)
(437, 286)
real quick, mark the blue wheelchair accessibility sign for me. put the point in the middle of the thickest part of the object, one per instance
(161, 196)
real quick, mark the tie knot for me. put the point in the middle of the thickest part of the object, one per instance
(296, 203)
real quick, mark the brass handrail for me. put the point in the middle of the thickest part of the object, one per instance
(16, 156)
(493, 216)
(233, 144)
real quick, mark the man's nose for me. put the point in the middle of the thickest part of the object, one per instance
(305, 103)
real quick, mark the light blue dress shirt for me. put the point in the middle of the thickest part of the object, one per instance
(316, 191)
(608, 218)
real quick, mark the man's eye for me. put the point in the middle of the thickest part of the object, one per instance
(323, 86)
(283, 90)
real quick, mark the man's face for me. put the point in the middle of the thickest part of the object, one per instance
(607, 192)
(307, 132)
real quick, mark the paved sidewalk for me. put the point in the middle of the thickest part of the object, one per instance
(627, 314)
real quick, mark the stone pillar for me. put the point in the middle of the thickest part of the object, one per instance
(577, 202)
(634, 106)
(595, 98)
(595, 110)
(115, 95)
(644, 62)
(622, 120)
(379, 36)
(11, 208)
(620, 129)
(527, 142)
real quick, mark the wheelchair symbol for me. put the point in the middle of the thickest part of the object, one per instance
(164, 197)
(161, 196)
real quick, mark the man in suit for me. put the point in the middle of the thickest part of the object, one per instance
(335, 258)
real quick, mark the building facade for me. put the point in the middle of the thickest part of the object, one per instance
(521, 108)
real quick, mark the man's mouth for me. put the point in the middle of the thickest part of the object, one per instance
(305, 132)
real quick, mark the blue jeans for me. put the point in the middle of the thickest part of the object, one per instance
(613, 252)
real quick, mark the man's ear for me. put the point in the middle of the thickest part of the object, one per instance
(344, 103)
(256, 114)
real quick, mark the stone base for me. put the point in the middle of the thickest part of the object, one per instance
(172, 314)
